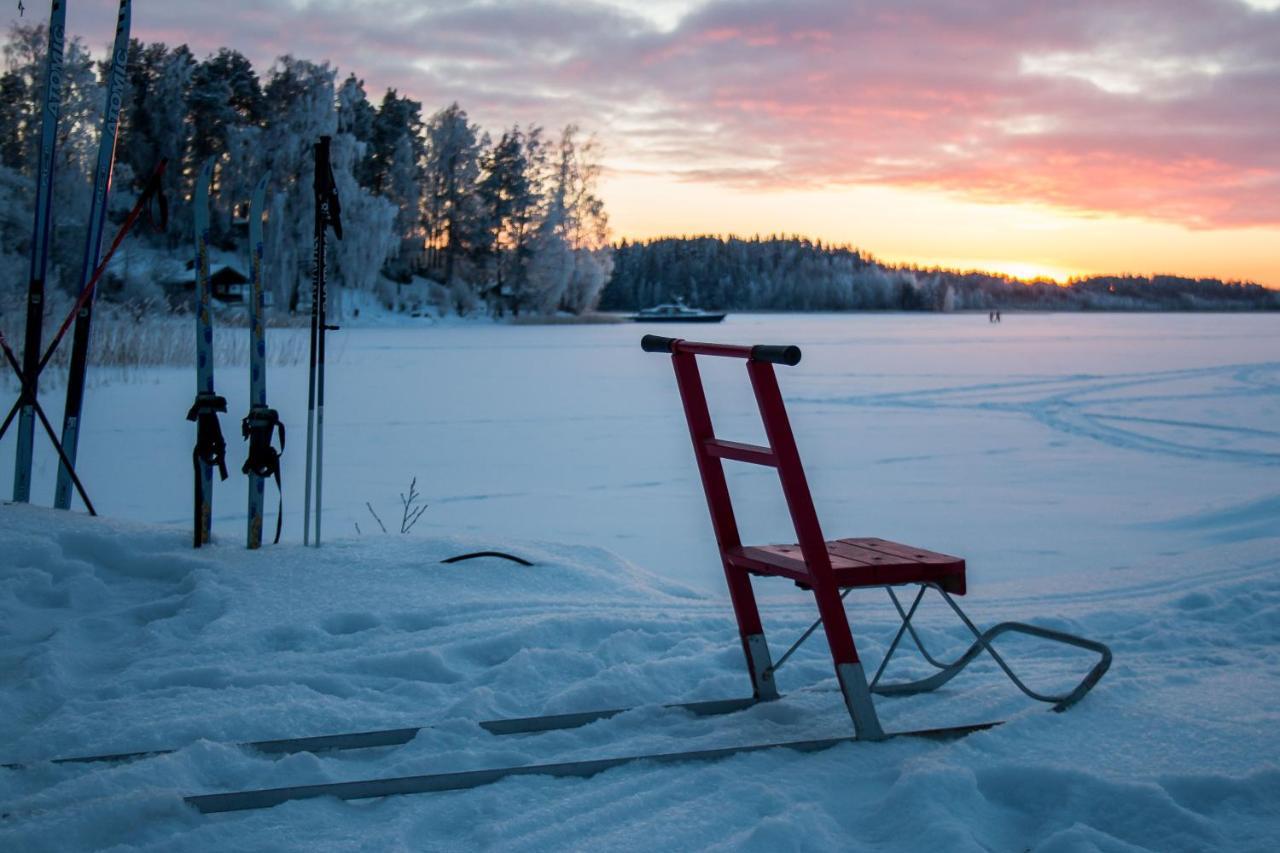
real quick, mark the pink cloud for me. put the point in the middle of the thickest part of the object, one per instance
(1168, 109)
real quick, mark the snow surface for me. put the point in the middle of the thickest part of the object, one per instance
(1109, 476)
(117, 637)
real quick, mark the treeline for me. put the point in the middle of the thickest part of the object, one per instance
(502, 223)
(795, 274)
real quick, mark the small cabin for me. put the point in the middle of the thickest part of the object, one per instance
(227, 283)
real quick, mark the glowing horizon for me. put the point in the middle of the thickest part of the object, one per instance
(931, 229)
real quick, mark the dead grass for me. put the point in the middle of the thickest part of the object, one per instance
(568, 319)
(128, 338)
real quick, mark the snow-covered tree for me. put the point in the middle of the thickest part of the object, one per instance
(393, 169)
(551, 263)
(451, 169)
(584, 226)
(302, 93)
(511, 199)
(369, 235)
(225, 107)
(431, 197)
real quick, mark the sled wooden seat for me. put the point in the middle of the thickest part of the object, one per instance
(856, 563)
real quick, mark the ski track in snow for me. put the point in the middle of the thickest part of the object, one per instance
(1075, 405)
(573, 433)
(117, 637)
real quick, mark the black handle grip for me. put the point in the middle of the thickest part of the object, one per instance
(788, 355)
(656, 343)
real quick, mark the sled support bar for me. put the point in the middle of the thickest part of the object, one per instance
(466, 779)
(982, 643)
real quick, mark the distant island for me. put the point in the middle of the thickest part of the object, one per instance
(795, 274)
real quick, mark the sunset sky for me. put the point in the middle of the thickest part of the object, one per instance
(1028, 137)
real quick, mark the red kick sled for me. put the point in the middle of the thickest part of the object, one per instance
(826, 566)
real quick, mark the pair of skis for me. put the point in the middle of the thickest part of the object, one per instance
(28, 400)
(261, 424)
(27, 377)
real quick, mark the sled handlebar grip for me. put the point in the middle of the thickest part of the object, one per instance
(788, 355)
(656, 343)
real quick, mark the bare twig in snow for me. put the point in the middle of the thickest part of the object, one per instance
(412, 512)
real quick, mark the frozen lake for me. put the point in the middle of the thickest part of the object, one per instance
(1047, 443)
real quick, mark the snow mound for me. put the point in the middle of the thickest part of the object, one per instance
(117, 636)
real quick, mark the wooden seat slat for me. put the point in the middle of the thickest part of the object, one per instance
(858, 562)
(899, 550)
(846, 548)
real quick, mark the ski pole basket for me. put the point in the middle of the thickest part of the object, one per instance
(825, 567)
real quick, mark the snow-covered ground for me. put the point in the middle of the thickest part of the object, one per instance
(1114, 476)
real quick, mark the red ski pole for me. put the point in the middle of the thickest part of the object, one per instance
(151, 190)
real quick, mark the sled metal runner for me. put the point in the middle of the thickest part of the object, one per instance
(466, 779)
(398, 737)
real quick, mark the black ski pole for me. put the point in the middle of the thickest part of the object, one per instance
(328, 214)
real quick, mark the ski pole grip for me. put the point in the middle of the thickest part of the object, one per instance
(788, 355)
(657, 343)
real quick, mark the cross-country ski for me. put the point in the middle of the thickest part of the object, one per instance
(730, 426)
(209, 453)
(51, 106)
(262, 424)
(73, 409)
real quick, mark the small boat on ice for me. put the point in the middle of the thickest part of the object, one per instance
(676, 312)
